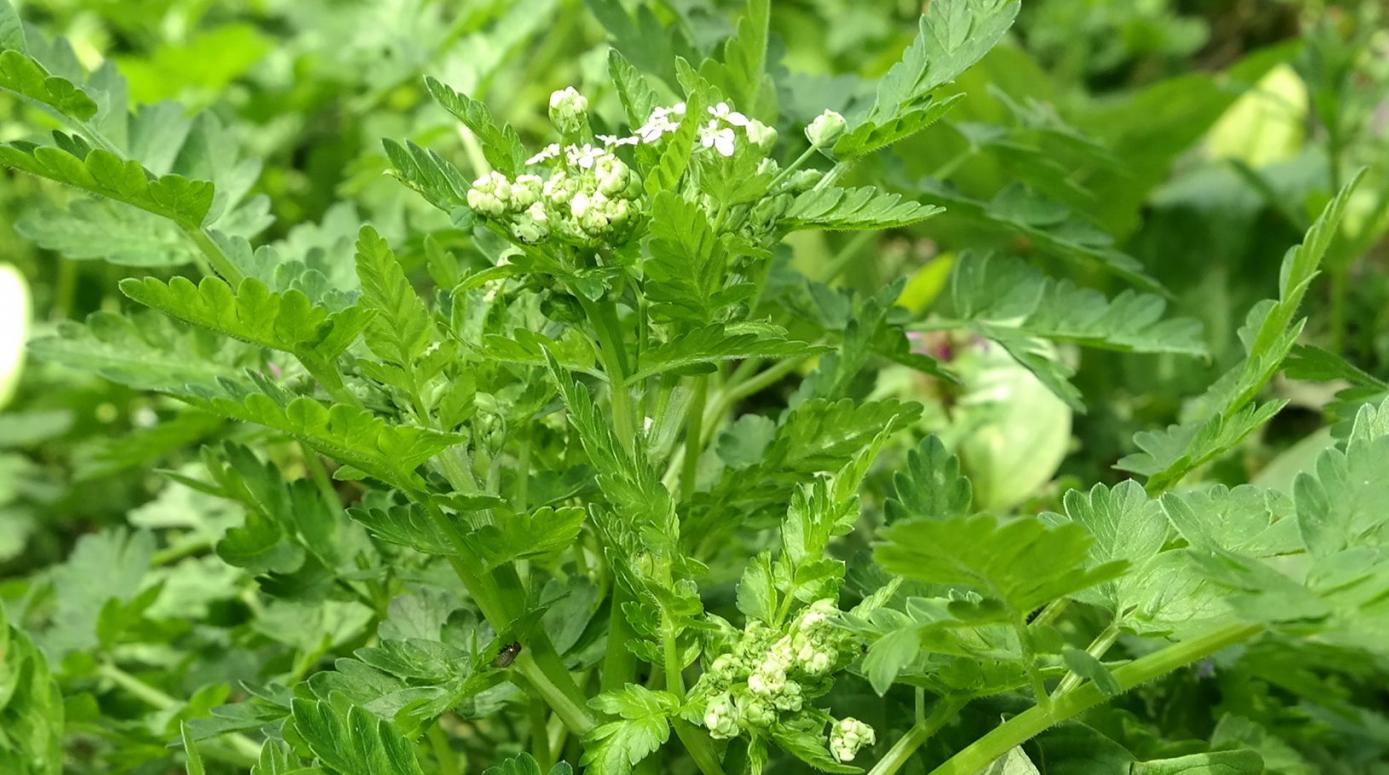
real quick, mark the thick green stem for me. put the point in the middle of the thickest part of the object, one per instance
(619, 663)
(901, 752)
(243, 746)
(444, 754)
(1036, 720)
(700, 747)
(694, 438)
(603, 317)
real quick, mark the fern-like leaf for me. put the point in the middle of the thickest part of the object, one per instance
(843, 209)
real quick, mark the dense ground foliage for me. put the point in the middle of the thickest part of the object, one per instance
(530, 386)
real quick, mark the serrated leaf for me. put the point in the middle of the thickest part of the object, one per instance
(1268, 336)
(931, 486)
(1022, 563)
(400, 329)
(432, 176)
(180, 199)
(810, 749)
(501, 146)
(405, 525)
(637, 97)
(870, 136)
(24, 76)
(146, 351)
(354, 742)
(109, 230)
(685, 273)
(616, 747)
(1126, 525)
(543, 532)
(701, 349)
(742, 75)
(1006, 293)
(841, 209)
(664, 176)
(11, 28)
(287, 321)
(349, 434)
(952, 36)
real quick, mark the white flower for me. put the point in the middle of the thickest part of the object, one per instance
(728, 115)
(14, 328)
(825, 129)
(548, 152)
(847, 736)
(611, 140)
(583, 156)
(568, 110)
(721, 139)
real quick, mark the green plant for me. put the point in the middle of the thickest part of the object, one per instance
(630, 488)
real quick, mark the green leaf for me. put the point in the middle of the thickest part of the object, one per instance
(432, 176)
(1021, 563)
(1243, 762)
(867, 208)
(809, 748)
(642, 38)
(180, 199)
(11, 28)
(1268, 336)
(109, 230)
(615, 748)
(193, 761)
(24, 76)
(931, 486)
(701, 349)
(1125, 525)
(685, 273)
(1087, 666)
(400, 329)
(525, 764)
(545, 531)
(349, 434)
(953, 35)
(1006, 293)
(742, 74)
(501, 146)
(405, 525)
(867, 137)
(145, 351)
(1015, 762)
(31, 705)
(287, 321)
(355, 742)
(664, 177)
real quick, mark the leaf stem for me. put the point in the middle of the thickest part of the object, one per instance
(604, 319)
(1030, 723)
(219, 260)
(1096, 649)
(699, 746)
(897, 756)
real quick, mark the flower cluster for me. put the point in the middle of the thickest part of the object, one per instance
(587, 197)
(767, 674)
(847, 736)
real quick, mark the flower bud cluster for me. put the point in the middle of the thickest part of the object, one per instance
(767, 673)
(847, 736)
(587, 198)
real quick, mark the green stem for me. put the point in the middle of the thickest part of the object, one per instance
(540, 736)
(694, 437)
(1029, 658)
(1097, 649)
(619, 663)
(675, 674)
(1030, 723)
(901, 752)
(444, 754)
(219, 260)
(155, 698)
(538, 662)
(792, 167)
(700, 747)
(610, 351)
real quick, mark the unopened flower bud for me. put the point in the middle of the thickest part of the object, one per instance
(721, 717)
(526, 190)
(531, 226)
(568, 110)
(847, 736)
(760, 135)
(490, 195)
(825, 129)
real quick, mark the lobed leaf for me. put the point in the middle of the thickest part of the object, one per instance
(842, 209)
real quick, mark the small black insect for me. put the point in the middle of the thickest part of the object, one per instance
(507, 655)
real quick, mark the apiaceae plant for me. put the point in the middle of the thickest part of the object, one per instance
(586, 473)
